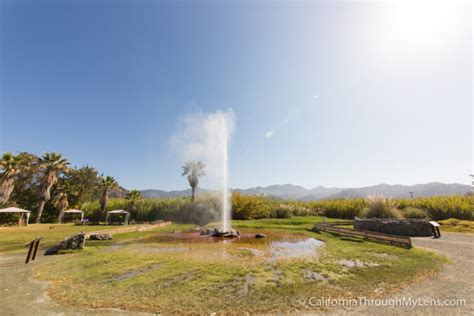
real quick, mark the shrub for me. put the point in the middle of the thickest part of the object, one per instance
(207, 207)
(413, 212)
(250, 207)
(444, 207)
(338, 208)
(381, 207)
(281, 213)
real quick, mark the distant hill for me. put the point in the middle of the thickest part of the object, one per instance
(120, 192)
(282, 191)
(403, 191)
(296, 192)
(151, 193)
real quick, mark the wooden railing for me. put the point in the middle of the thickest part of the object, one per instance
(364, 234)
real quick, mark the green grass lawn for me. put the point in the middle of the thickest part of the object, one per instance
(456, 226)
(15, 239)
(148, 271)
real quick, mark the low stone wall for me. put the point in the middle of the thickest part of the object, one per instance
(400, 227)
(127, 229)
(78, 241)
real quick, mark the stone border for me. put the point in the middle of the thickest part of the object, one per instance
(121, 230)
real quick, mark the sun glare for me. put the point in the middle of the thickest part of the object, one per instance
(410, 26)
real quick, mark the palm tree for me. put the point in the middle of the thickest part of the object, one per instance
(106, 183)
(133, 196)
(52, 165)
(10, 167)
(61, 203)
(194, 170)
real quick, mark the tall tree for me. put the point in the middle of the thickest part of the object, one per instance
(133, 196)
(52, 165)
(106, 183)
(81, 185)
(194, 170)
(61, 203)
(10, 167)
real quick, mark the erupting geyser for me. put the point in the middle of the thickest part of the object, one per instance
(205, 137)
(225, 178)
(223, 141)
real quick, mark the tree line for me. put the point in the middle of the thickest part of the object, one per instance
(50, 183)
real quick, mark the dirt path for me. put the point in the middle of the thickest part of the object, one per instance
(20, 294)
(454, 282)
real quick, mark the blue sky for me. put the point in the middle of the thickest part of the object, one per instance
(324, 93)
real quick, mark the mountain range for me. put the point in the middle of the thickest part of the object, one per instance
(296, 192)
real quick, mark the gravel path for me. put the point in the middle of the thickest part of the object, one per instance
(454, 282)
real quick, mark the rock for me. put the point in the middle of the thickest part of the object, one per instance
(260, 235)
(77, 241)
(400, 227)
(205, 232)
(232, 233)
(100, 237)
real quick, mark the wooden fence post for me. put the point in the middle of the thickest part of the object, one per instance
(33, 249)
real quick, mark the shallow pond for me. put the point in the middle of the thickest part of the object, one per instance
(275, 246)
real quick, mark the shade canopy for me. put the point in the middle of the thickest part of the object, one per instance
(13, 210)
(18, 210)
(127, 215)
(71, 211)
(118, 212)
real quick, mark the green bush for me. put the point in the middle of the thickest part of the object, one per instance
(338, 208)
(281, 213)
(146, 210)
(444, 207)
(206, 208)
(381, 207)
(251, 207)
(413, 212)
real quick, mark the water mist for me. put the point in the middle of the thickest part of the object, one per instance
(206, 137)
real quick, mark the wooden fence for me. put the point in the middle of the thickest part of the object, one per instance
(364, 234)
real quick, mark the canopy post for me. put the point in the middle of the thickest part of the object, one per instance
(27, 218)
(126, 218)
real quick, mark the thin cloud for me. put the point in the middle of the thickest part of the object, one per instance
(269, 134)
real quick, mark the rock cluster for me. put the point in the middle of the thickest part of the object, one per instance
(100, 237)
(400, 227)
(77, 241)
(260, 235)
(232, 233)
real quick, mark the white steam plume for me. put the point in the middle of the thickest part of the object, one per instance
(205, 137)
